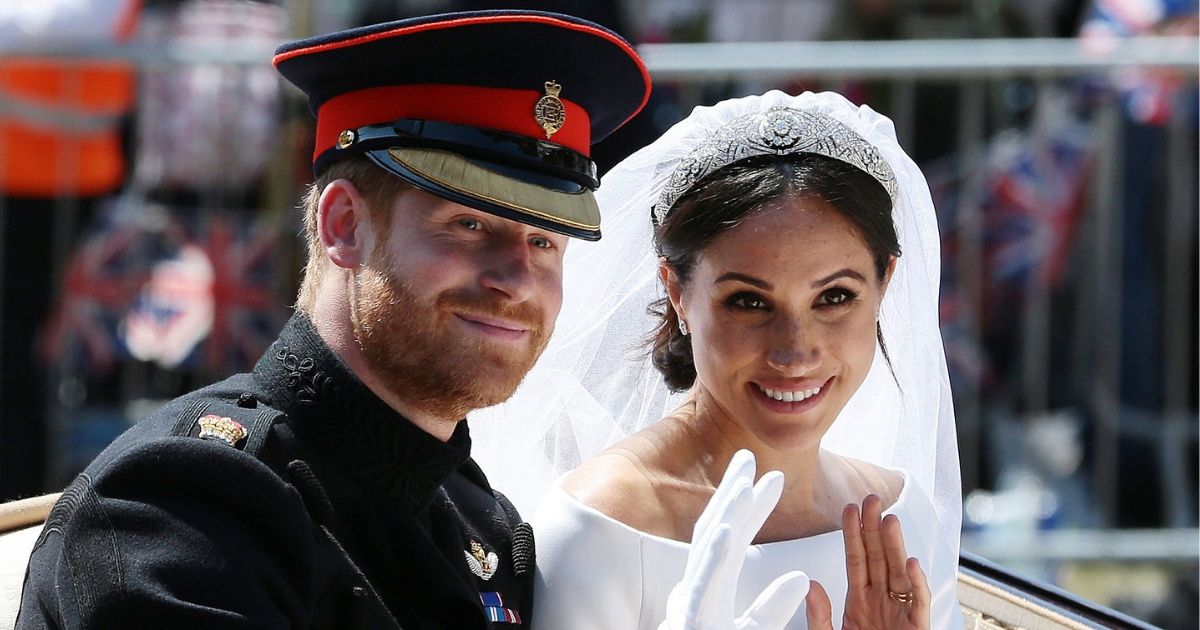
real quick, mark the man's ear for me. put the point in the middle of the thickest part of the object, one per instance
(344, 224)
(674, 291)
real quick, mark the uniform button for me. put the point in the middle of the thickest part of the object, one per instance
(247, 401)
(359, 591)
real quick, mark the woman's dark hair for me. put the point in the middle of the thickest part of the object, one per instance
(723, 199)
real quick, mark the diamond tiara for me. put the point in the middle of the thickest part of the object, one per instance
(777, 131)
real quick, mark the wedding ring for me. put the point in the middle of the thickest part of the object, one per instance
(904, 599)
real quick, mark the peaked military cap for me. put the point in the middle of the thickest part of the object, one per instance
(496, 110)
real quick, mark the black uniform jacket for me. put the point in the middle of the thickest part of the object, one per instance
(333, 512)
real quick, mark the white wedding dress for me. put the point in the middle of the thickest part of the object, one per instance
(597, 573)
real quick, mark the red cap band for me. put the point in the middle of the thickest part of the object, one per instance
(502, 109)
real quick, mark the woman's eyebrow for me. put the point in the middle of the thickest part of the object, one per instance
(844, 273)
(741, 277)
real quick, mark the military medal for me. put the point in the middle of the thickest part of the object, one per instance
(482, 564)
(494, 609)
(227, 430)
(549, 111)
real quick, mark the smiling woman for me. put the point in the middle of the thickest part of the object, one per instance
(775, 269)
(779, 288)
(780, 306)
(772, 227)
(750, 187)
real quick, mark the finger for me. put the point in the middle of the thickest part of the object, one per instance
(736, 501)
(741, 466)
(922, 599)
(740, 513)
(765, 496)
(707, 573)
(740, 508)
(777, 604)
(877, 571)
(819, 610)
(856, 554)
(720, 506)
(893, 546)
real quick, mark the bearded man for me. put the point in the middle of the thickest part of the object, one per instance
(333, 485)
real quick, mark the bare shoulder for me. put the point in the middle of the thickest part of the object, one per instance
(863, 478)
(638, 481)
(646, 480)
(617, 483)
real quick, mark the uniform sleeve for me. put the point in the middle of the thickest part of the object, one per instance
(589, 568)
(176, 532)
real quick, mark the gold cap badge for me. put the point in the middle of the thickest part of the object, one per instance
(482, 564)
(227, 430)
(549, 111)
(346, 138)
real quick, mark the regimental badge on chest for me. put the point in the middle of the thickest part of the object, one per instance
(482, 563)
(227, 430)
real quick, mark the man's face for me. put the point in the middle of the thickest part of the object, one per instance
(455, 305)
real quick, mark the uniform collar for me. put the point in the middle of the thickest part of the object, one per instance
(326, 401)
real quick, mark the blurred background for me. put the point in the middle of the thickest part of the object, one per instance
(151, 162)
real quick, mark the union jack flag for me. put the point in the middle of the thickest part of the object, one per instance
(183, 296)
(99, 281)
(1031, 201)
(1150, 96)
(1036, 187)
(247, 309)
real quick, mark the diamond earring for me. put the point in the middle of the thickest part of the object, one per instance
(683, 327)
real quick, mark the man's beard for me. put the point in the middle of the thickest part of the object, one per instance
(411, 346)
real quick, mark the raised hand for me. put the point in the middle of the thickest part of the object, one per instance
(703, 599)
(885, 588)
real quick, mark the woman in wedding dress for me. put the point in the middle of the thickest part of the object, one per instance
(790, 250)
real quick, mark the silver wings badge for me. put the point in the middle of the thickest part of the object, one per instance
(482, 564)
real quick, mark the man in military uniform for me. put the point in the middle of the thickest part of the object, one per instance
(333, 485)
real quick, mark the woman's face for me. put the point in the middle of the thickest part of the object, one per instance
(781, 310)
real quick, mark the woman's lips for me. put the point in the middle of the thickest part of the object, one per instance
(795, 397)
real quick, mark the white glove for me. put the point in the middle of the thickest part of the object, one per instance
(703, 599)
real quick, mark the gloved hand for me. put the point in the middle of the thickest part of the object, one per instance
(703, 599)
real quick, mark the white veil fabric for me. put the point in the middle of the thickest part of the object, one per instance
(595, 383)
